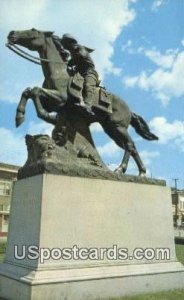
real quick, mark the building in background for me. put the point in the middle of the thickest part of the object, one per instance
(8, 174)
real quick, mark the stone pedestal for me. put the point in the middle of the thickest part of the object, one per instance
(51, 211)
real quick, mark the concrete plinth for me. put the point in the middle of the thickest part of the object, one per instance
(79, 217)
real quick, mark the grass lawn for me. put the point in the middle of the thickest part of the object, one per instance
(170, 295)
(1, 257)
(180, 253)
(2, 250)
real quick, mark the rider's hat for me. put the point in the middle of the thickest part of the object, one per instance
(68, 37)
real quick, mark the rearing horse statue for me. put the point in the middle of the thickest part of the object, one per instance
(54, 97)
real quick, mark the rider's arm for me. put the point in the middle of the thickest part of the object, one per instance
(71, 63)
(71, 67)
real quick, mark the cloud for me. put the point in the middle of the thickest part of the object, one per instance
(96, 127)
(148, 156)
(127, 46)
(162, 60)
(165, 60)
(156, 4)
(40, 128)
(20, 13)
(109, 149)
(168, 132)
(164, 84)
(112, 167)
(13, 149)
(13, 94)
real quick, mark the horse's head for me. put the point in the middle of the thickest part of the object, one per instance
(32, 39)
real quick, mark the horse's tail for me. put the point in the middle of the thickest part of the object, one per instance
(142, 128)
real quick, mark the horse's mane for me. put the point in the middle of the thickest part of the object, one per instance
(63, 53)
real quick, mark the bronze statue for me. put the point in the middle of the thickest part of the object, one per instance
(61, 93)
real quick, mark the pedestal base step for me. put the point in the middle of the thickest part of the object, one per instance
(18, 283)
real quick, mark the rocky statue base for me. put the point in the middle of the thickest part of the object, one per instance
(77, 158)
(53, 213)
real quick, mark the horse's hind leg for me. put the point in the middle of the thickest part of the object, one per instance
(120, 135)
(134, 153)
(131, 149)
(124, 164)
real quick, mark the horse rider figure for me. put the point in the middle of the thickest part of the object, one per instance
(82, 62)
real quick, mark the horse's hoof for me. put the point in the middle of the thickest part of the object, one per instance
(124, 169)
(142, 174)
(19, 121)
(118, 170)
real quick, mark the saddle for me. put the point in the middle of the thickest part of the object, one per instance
(101, 101)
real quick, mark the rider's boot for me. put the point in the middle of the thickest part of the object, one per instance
(90, 83)
(86, 107)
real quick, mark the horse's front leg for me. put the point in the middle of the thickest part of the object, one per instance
(34, 94)
(21, 107)
(42, 113)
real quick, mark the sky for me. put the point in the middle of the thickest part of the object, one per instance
(139, 54)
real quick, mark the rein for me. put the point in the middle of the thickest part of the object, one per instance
(34, 59)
